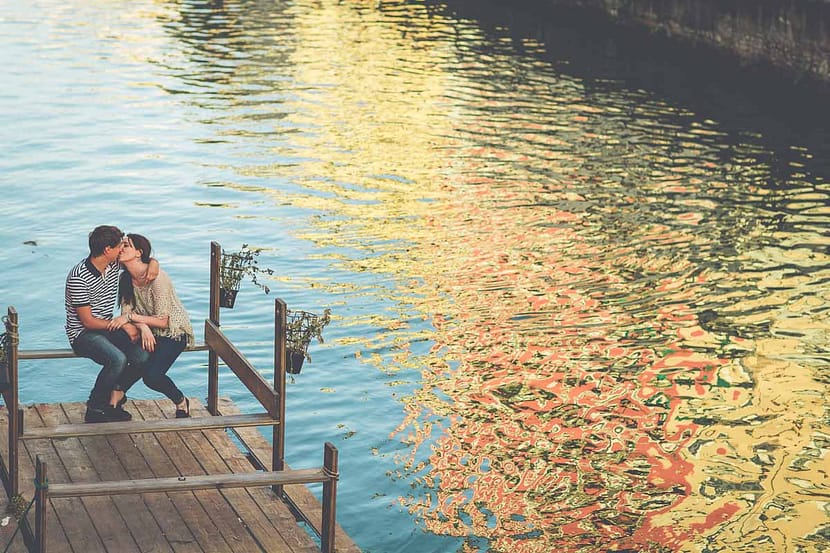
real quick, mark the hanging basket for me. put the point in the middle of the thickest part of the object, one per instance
(234, 267)
(231, 271)
(300, 328)
(294, 361)
(227, 298)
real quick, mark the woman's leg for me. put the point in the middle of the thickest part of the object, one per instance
(155, 371)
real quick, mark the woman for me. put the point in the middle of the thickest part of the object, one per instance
(160, 317)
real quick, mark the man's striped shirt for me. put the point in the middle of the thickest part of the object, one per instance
(86, 286)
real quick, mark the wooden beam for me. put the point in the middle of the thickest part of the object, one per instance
(213, 315)
(139, 427)
(185, 483)
(241, 367)
(68, 353)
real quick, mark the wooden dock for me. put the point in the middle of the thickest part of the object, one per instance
(210, 483)
(209, 520)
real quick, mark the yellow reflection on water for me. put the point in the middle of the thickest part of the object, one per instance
(574, 394)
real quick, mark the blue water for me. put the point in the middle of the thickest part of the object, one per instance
(106, 117)
(327, 134)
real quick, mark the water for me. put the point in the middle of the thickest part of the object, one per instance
(579, 294)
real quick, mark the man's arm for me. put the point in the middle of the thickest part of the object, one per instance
(90, 321)
(152, 270)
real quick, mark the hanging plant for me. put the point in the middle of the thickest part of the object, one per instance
(4, 356)
(300, 328)
(235, 266)
(5, 346)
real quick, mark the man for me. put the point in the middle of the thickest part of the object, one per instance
(90, 296)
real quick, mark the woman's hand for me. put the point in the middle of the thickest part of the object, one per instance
(117, 322)
(148, 341)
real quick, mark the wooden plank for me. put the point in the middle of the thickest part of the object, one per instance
(238, 500)
(108, 522)
(69, 354)
(219, 516)
(267, 516)
(144, 527)
(298, 493)
(184, 483)
(139, 426)
(55, 533)
(192, 508)
(241, 367)
(104, 461)
(68, 524)
(163, 510)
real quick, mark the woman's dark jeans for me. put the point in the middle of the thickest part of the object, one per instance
(154, 371)
(116, 354)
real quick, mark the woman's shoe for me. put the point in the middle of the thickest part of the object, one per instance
(184, 413)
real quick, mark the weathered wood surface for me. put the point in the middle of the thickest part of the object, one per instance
(69, 354)
(298, 493)
(74, 430)
(241, 367)
(211, 520)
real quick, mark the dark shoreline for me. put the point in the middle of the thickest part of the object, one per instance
(785, 37)
(586, 43)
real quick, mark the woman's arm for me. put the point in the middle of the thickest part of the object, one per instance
(153, 321)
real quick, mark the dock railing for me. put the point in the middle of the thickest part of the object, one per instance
(218, 346)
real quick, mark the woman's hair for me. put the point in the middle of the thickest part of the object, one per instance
(126, 293)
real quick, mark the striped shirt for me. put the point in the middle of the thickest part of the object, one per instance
(86, 286)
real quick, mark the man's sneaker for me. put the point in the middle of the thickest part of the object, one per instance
(94, 414)
(116, 414)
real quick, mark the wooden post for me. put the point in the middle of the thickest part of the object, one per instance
(329, 498)
(41, 498)
(13, 405)
(278, 441)
(213, 360)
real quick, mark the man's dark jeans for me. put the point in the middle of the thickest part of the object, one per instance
(114, 351)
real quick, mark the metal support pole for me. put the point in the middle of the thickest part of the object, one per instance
(213, 359)
(13, 404)
(41, 498)
(329, 498)
(278, 441)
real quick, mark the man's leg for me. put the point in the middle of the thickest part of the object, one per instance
(136, 356)
(97, 346)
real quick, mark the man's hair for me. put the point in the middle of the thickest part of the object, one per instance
(103, 236)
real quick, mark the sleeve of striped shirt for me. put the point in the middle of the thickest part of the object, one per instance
(78, 292)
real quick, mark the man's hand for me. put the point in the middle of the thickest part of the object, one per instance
(152, 270)
(117, 323)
